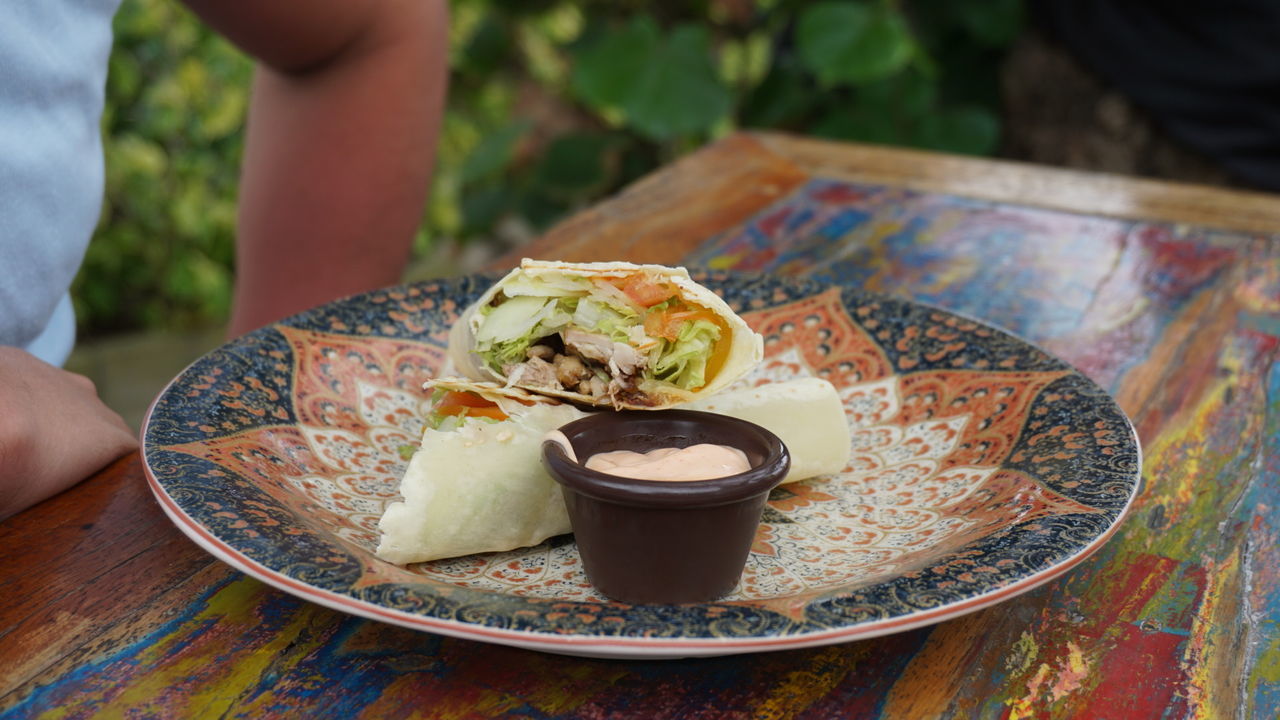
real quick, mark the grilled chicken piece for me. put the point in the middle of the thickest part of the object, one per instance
(595, 387)
(592, 346)
(542, 352)
(570, 371)
(625, 360)
(534, 372)
(621, 359)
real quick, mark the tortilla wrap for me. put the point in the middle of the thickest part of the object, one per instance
(806, 414)
(645, 336)
(477, 484)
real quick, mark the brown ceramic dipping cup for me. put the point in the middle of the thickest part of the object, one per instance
(653, 541)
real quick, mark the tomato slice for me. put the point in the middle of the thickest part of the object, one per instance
(456, 402)
(644, 291)
(667, 323)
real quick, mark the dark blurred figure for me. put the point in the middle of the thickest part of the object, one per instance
(1207, 72)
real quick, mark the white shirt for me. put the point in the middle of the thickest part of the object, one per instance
(53, 69)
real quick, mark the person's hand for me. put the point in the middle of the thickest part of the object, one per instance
(54, 431)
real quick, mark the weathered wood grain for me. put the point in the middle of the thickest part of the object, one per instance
(80, 563)
(1003, 181)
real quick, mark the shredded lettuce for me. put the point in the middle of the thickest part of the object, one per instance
(450, 423)
(547, 285)
(595, 316)
(519, 322)
(618, 300)
(444, 423)
(513, 318)
(532, 308)
(683, 363)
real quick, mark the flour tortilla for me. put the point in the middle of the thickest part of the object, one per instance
(480, 487)
(806, 414)
(746, 347)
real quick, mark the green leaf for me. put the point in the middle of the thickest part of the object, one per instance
(539, 209)
(482, 208)
(638, 159)
(853, 42)
(541, 57)
(561, 24)
(907, 95)
(745, 63)
(523, 7)
(663, 86)
(488, 47)
(679, 92)
(225, 114)
(132, 155)
(970, 74)
(576, 164)
(969, 130)
(786, 95)
(992, 22)
(188, 216)
(862, 124)
(493, 153)
(606, 68)
(124, 76)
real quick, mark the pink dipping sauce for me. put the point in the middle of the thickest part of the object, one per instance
(696, 462)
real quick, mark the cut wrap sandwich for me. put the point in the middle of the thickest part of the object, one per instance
(605, 334)
(476, 484)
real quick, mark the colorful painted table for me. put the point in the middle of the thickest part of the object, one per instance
(1167, 296)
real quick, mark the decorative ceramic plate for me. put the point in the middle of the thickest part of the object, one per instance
(982, 467)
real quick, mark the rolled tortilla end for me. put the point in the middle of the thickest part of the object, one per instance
(806, 414)
(479, 487)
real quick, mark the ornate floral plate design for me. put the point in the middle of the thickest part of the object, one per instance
(982, 467)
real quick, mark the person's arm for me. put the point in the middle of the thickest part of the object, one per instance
(346, 107)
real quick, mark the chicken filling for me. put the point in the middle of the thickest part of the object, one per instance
(602, 341)
(590, 364)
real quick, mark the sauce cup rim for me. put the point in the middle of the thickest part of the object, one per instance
(762, 477)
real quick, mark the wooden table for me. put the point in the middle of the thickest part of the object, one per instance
(1166, 295)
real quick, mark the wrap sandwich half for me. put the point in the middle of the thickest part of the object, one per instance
(476, 484)
(613, 335)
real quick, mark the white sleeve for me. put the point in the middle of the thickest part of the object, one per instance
(53, 68)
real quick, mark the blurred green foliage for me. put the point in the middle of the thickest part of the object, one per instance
(163, 251)
(553, 104)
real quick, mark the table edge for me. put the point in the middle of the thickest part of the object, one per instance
(1023, 183)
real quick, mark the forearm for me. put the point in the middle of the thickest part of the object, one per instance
(339, 149)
